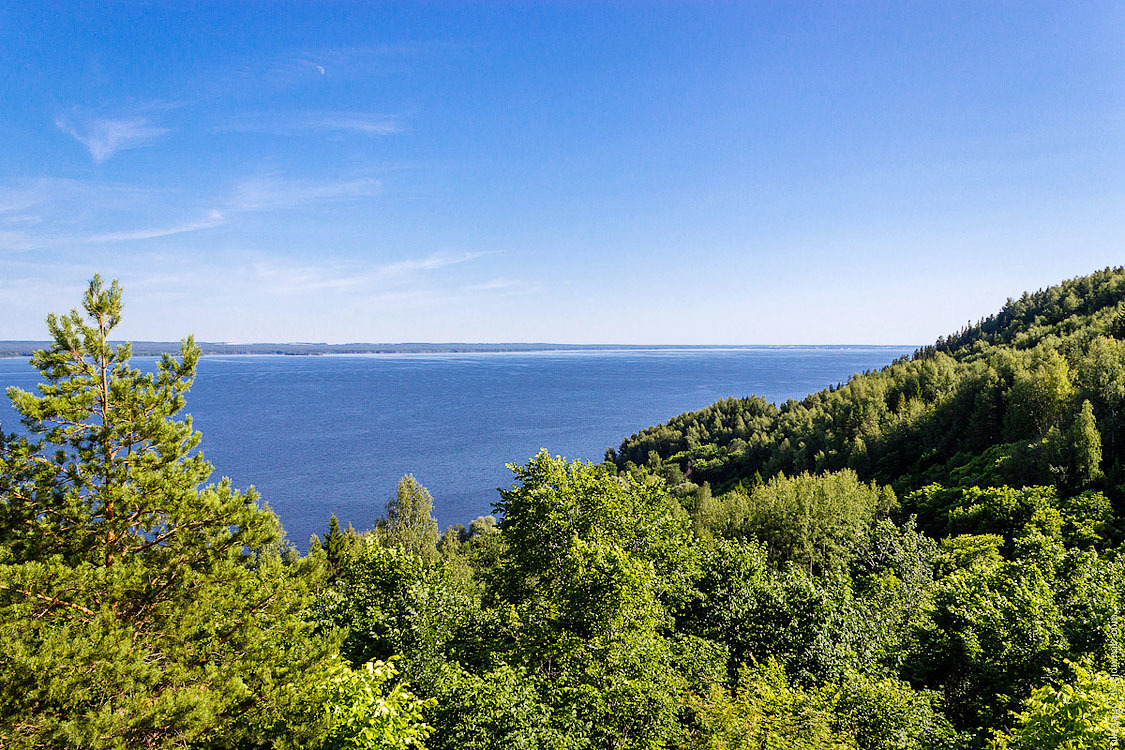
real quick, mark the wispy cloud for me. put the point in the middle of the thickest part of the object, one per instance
(288, 278)
(104, 137)
(22, 241)
(214, 219)
(19, 198)
(353, 122)
(238, 273)
(268, 193)
(286, 70)
(54, 213)
(48, 212)
(295, 123)
(429, 263)
(494, 285)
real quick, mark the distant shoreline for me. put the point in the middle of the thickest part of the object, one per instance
(154, 348)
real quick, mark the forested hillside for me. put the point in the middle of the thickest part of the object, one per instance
(1030, 395)
(928, 556)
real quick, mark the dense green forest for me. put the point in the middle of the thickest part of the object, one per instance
(1012, 400)
(927, 556)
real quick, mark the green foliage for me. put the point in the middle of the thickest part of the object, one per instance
(590, 563)
(482, 525)
(765, 711)
(887, 714)
(138, 607)
(1004, 511)
(969, 551)
(1087, 519)
(1086, 714)
(760, 613)
(338, 546)
(1117, 324)
(617, 606)
(409, 523)
(389, 601)
(899, 551)
(702, 662)
(1086, 445)
(370, 600)
(1039, 395)
(892, 583)
(560, 505)
(1083, 519)
(451, 541)
(500, 710)
(362, 711)
(813, 521)
(993, 632)
(1089, 591)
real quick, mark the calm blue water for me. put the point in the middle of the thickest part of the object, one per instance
(323, 435)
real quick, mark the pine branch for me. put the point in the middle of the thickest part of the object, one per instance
(52, 601)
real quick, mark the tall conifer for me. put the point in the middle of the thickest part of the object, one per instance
(139, 607)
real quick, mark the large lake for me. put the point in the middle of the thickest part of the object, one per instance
(333, 434)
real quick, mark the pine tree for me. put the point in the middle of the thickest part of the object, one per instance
(139, 607)
(337, 545)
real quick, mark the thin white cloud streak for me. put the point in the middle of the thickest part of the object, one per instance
(25, 219)
(214, 219)
(20, 199)
(289, 123)
(104, 137)
(498, 285)
(265, 276)
(22, 241)
(429, 263)
(51, 212)
(286, 71)
(350, 122)
(370, 280)
(275, 193)
(47, 212)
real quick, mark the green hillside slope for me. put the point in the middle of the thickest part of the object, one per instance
(999, 402)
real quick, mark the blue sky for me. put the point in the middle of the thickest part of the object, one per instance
(698, 173)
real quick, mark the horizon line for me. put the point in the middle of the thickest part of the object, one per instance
(25, 347)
